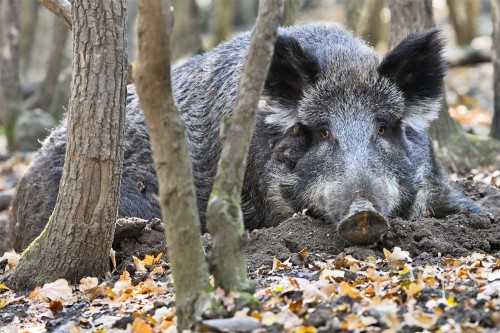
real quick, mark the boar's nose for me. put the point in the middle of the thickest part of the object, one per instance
(363, 224)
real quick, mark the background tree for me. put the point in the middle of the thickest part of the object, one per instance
(463, 17)
(55, 64)
(222, 20)
(187, 29)
(9, 67)
(495, 11)
(370, 26)
(291, 11)
(84, 216)
(455, 148)
(28, 20)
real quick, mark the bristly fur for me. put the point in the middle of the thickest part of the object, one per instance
(334, 123)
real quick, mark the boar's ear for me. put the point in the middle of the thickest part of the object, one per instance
(291, 70)
(417, 67)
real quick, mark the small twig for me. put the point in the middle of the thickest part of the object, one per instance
(61, 8)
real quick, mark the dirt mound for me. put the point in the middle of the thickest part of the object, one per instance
(426, 239)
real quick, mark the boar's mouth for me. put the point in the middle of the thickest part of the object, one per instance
(363, 224)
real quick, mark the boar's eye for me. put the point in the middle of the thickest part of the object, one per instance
(325, 134)
(381, 130)
(296, 129)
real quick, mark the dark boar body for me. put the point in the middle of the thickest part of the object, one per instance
(340, 134)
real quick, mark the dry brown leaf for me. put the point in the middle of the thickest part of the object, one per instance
(141, 326)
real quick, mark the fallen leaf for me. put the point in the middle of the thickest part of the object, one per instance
(56, 306)
(88, 283)
(57, 290)
(12, 258)
(140, 326)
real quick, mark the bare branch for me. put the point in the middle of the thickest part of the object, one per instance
(225, 221)
(61, 8)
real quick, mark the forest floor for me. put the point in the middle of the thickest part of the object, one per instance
(433, 275)
(438, 275)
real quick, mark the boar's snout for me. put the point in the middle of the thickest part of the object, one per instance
(363, 224)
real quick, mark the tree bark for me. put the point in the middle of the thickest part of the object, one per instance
(455, 149)
(172, 161)
(29, 22)
(495, 125)
(463, 17)
(224, 216)
(187, 29)
(77, 239)
(47, 89)
(222, 20)
(9, 67)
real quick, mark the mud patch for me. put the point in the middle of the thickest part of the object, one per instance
(426, 239)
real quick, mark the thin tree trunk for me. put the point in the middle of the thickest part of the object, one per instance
(187, 29)
(353, 9)
(61, 8)
(463, 17)
(292, 10)
(77, 239)
(222, 20)
(495, 125)
(47, 90)
(29, 22)
(456, 149)
(172, 161)
(224, 216)
(370, 26)
(9, 66)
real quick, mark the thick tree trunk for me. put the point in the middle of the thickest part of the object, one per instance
(463, 17)
(172, 161)
(47, 90)
(495, 125)
(29, 21)
(222, 20)
(454, 148)
(224, 216)
(77, 239)
(9, 67)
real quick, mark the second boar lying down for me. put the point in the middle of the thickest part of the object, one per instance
(340, 134)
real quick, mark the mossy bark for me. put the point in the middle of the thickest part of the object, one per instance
(172, 161)
(224, 216)
(77, 240)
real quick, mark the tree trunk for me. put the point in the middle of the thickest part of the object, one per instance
(370, 26)
(224, 216)
(9, 67)
(172, 161)
(222, 20)
(29, 21)
(47, 90)
(463, 17)
(292, 10)
(352, 9)
(495, 125)
(77, 240)
(187, 29)
(456, 149)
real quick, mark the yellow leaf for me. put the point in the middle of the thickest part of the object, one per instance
(140, 326)
(305, 329)
(303, 254)
(347, 290)
(3, 303)
(3, 287)
(451, 301)
(414, 289)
